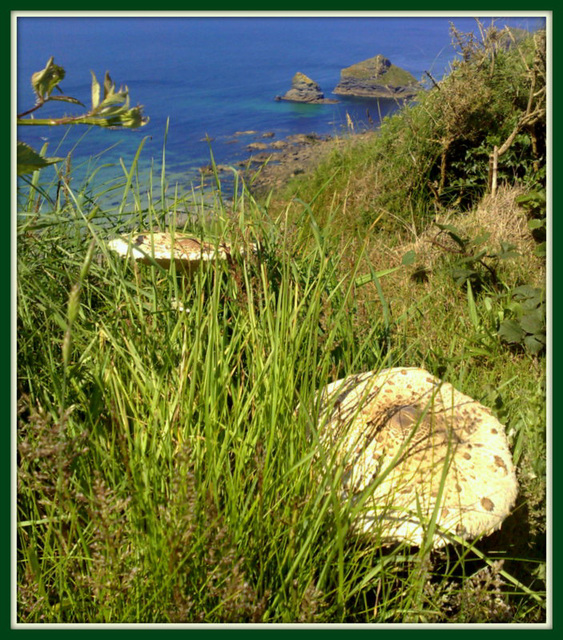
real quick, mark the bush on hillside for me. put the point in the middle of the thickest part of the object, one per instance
(494, 98)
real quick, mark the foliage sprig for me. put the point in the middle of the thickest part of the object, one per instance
(110, 108)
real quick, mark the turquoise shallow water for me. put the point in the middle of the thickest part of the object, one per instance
(214, 76)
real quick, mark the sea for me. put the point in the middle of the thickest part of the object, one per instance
(206, 81)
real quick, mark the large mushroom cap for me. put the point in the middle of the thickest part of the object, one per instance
(415, 448)
(186, 251)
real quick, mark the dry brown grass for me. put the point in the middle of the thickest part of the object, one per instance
(500, 216)
(423, 298)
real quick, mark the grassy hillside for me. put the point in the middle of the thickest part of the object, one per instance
(167, 465)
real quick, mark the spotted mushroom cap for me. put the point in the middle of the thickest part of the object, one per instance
(413, 446)
(187, 252)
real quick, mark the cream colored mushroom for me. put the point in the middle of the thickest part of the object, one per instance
(416, 448)
(186, 251)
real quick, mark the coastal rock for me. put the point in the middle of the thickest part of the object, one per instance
(377, 78)
(301, 154)
(245, 133)
(257, 145)
(303, 89)
(306, 138)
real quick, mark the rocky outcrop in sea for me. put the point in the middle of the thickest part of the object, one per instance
(303, 89)
(377, 78)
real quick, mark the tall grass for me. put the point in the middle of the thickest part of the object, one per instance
(168, 469)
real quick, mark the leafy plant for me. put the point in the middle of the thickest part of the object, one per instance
(526, 322)
(475, 262)
(113, 110)
(29, 160)
(470, 169)
(497, 130)
(535, 203)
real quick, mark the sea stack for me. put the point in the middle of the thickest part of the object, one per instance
(377, 78)
(303, 89)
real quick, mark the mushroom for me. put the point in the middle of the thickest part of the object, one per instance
(414, 450)
(160, 247)
(187, 252)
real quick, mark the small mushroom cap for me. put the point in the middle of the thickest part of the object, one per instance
(416, 448)
(186, 251)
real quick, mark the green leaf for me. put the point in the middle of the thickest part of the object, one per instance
(109, 86)
(472, 308)
(507, 255)
(535, 197)
(541, 250)
(532, 304)
(511, 332)
(473, 258)
(115, 99)
(447, 227)
(360, 281)
(534, 344)
(45, 81)
(134, 118)
(66, 99)
(29, 160)
(481, 239)
(527, 291)
(95, 92)
(453, 233)
(113, 110)
(533, 322)
(515, 307)
(507, 250)
(536, 224)
(461, 275)
(409, 257)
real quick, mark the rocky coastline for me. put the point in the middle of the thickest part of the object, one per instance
(271, 163)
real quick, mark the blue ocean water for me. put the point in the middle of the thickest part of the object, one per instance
(215, 76)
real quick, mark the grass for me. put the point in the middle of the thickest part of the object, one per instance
(169, 467)
(164, 473)
(134, 417)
